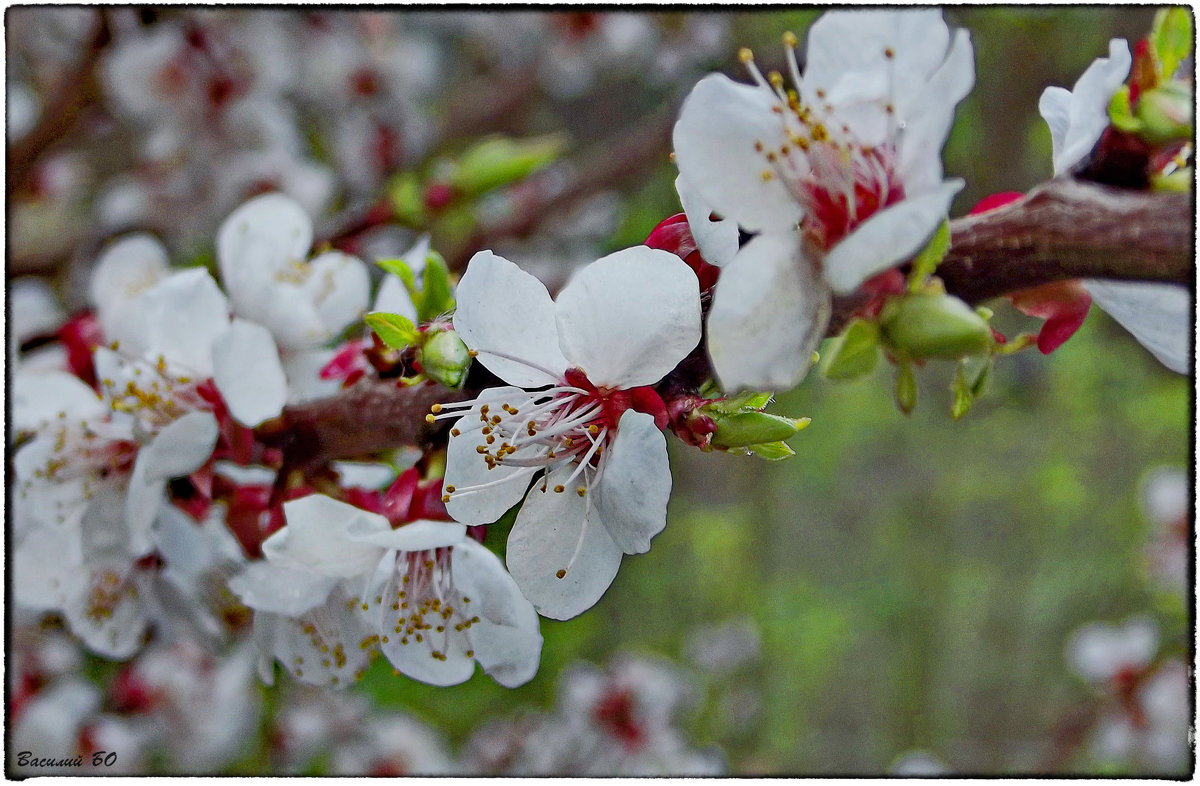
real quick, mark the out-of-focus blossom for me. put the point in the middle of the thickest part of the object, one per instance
(826, 154)
(615, 722)
(918, 764)
(1165, 499)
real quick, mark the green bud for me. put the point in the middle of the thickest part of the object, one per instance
(395, 330)
(751, 428)
(934, 326)
(771, 451)
(498, 161)
(1166, 113)
(445, 358)
(963, 396)
(408, 202)
(906, 387)
(854, 353)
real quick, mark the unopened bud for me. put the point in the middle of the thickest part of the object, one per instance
(906, 387)
(753, 428)
(934, 326)
(445, 358)
(1166, 113)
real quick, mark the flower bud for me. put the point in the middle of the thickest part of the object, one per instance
(445, 358)
(499, 161)
(1165, 112)
(743, 429)
(925, 325)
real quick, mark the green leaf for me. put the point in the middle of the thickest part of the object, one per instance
(854, 353)
(963, 398)
(930, 257)
(906, 387)
(742, 402)
(1171, 38)
(436, 295)
(772, 451)
(1120, 113)
(498, 161)
(395, 330)
(399, 268)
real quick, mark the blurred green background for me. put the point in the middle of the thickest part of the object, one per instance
(914, 579)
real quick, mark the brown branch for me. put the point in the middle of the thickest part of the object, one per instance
(73, 95)
(1062, 229)
(370, 416)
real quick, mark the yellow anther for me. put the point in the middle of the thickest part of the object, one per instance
(560, 573)
(889, 53)
(745, 55)
(430, 419)
(775, 78)
(445, 498)
(790, 40)
(581, 491)
(436, 408)
(559, 489)
(767, 176)
(449, 489)
(455, 432)
(593, 429)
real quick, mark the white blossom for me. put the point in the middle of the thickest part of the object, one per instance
(849, 154)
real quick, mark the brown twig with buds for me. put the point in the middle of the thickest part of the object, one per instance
(1061, 230)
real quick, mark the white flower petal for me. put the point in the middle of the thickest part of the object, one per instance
(719, 125)
(41, 397)
(393, 298)
(340, 288)
(323, 647)
(1087, 113)
(291, 316)
(263, 236)
(629, 318)
(929, 119)
(34, 309)
(890, 236)
(128, 265)
(560, 532)
(466, 469)
(317, 537)
(504, 309)
(248, 373)
(1158, 315)
(847, 44)
(717, 240)
(181, 447)
(184, 314)
(413, 536)
(631, 496)
(506, 640)
(265, 587)
(768, 316)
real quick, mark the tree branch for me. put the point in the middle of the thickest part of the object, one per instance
(1062, 229)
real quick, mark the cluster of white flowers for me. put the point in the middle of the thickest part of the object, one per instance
(150, 514)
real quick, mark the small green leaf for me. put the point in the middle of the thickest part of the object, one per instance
(771, 451)
(498, 161)
(1120, 113)
(436, 295)
(930, 257)
(977, 370)
(963, 397)
(399, 268)
(742, 402)
(854, 353)
(1171, 38)
(906, 387)
(395, 330)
